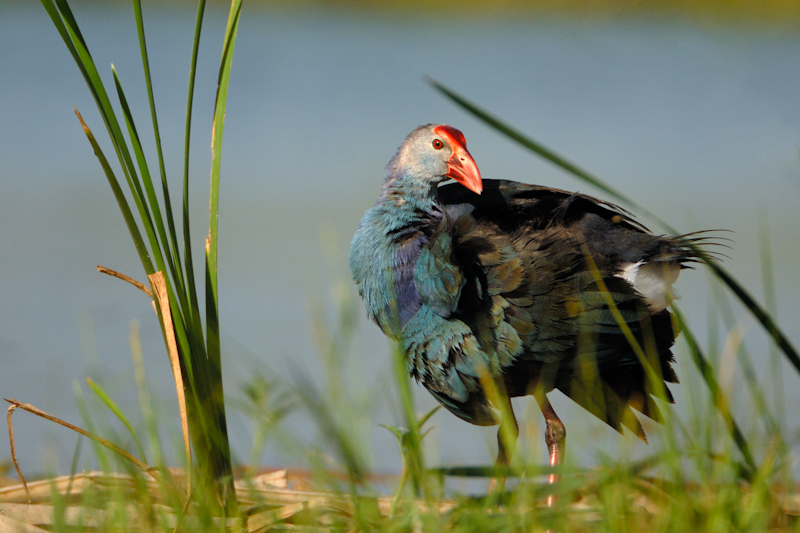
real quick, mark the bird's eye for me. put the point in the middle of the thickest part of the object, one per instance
(437, 144)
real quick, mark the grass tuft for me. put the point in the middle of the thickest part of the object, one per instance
(194, 351)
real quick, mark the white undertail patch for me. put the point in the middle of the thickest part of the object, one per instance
(653, 281)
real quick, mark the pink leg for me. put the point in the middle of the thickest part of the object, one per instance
(555, 436)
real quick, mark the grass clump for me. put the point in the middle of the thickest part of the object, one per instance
(193, 347)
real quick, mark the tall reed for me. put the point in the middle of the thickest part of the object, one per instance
(167, 259)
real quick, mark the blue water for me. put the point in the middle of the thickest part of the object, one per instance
(699, 124)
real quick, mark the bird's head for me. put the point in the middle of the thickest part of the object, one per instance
(436, 152)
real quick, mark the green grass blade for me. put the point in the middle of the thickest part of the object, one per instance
(58, 22)
(177, 273)
(194, 306)
(220, 461)
(106, 399)
(89, 427)
(186, 335)
(749, 302)
(331, 428)
(748, 370)
(532, 145)
(92, 77)
(778, 337)
(68, 27)
(415, 456)
(174, 269)
(212, 319)
(718, 397)
(145, 402)
(770, 300)
(127, 215)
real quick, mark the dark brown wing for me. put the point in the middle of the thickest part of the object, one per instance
(546, 263)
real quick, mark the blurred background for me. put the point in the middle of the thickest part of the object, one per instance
(690, 108)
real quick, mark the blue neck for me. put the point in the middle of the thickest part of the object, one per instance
(406, 192)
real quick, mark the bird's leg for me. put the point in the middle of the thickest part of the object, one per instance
(555, 436)
(506, 443)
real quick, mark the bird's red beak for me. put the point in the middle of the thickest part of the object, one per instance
(461, 167)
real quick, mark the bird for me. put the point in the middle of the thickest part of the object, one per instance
(495, 289)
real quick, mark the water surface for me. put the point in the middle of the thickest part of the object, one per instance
(700, 125)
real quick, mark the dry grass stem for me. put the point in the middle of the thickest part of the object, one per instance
(159, 285)
(264, 505)
(14, 449)
(99, 519)
(100, 440)
(138, 284)
(8, 524)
